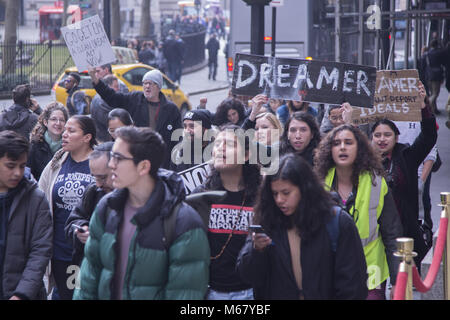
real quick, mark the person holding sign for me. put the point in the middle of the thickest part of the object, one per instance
(401, 163)
(148, 108)
(347, 163)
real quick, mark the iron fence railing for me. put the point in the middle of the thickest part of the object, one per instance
(38, 64)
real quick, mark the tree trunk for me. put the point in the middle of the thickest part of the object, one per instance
(145, 19)
(115, 19)
(9, 49)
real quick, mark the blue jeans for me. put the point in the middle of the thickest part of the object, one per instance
(233, 295)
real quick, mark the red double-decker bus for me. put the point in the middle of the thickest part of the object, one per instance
(50, 19)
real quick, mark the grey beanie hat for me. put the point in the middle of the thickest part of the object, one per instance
(155, 76)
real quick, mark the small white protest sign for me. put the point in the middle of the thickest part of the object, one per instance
(88, 43)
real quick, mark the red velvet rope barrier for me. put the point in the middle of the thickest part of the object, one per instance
(437, 257)
(400, 285)
(402, 277)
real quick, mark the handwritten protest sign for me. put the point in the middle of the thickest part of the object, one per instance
(88, 43)
(396, 98)
(195, 176)
(304, 80)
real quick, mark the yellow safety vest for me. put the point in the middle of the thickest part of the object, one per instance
(367, 209)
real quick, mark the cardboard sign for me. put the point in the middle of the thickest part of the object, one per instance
(88, 43)
(195, 176)
(396, 98)
(125, 55)
(304, 80)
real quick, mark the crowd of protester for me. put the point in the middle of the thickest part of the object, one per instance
(96, 205)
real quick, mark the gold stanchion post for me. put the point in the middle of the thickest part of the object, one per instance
(405, 251)
(445, 204)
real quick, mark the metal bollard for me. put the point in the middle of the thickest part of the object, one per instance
(445, 204)
(405, 251)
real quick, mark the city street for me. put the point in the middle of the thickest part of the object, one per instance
(128, 230)
(216, 91)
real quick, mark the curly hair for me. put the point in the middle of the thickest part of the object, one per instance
(250, 172)
(221, 116)
(37, 135)
(367, 159)
(313, 209)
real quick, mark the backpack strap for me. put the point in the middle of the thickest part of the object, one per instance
(169, 223)
(333, 228)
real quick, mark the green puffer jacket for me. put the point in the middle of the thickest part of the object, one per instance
(182, 272)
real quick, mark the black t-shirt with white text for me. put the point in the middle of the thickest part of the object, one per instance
(230, 216)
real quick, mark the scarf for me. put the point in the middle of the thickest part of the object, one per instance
(54, 145)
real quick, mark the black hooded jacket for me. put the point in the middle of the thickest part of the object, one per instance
(19, 119)
(27, 244)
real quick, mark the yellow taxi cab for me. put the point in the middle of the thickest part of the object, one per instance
(131, 75)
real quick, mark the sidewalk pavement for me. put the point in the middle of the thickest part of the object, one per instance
(198, 83)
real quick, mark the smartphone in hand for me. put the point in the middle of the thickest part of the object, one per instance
(256, 228)
(78, 228)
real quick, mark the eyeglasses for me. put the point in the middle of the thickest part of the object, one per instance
(117, 157)
(57, 120)
(149, 83)
(68, 80)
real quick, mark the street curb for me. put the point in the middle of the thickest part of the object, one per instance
(208, 90)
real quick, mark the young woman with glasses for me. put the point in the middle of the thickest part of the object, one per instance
(64, 181)
(46, 137)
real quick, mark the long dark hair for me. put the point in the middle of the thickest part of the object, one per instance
(312, 124)
(313, 209)
(121, 114)
(367, 159)
(387, 122)
(250, 172)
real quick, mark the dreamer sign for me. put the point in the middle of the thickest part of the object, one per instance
(396, 98)
(304, 80)
(88, 43)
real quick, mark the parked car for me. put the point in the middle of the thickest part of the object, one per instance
(131, 75)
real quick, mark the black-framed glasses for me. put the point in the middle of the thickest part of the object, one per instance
(117, 157)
